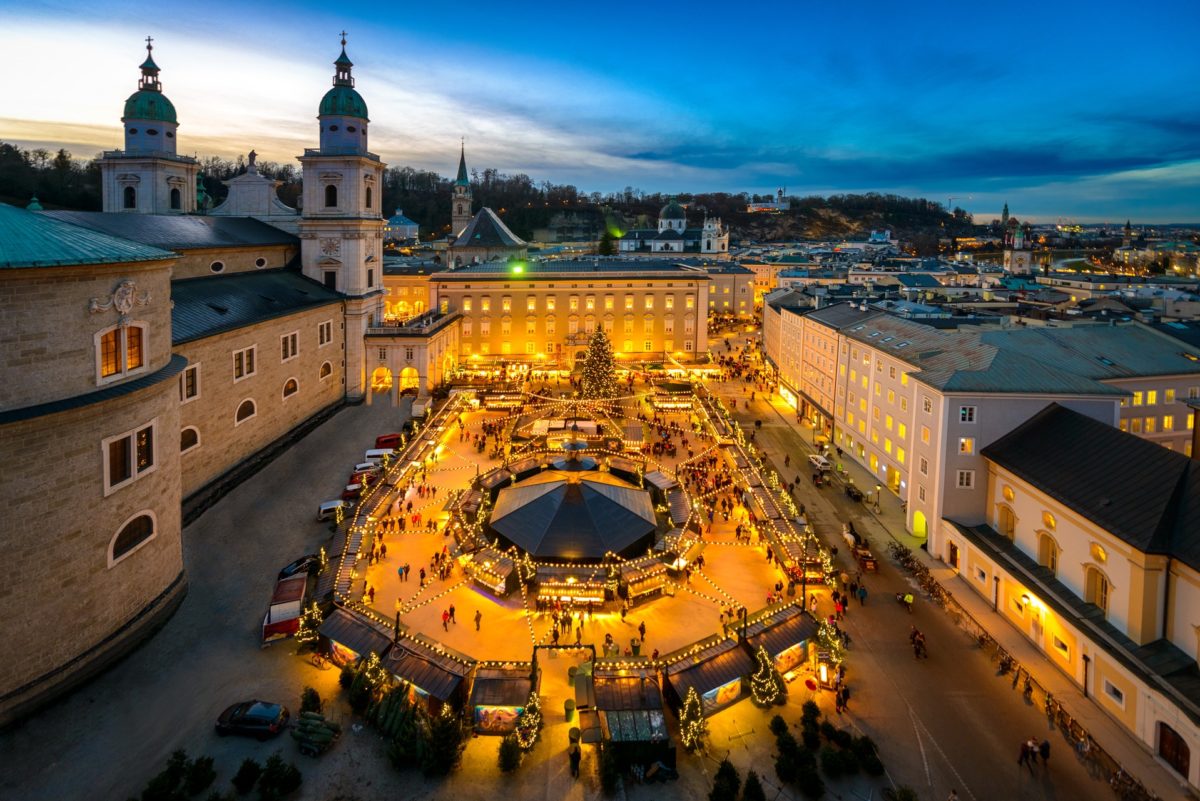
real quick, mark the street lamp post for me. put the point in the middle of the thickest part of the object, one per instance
(878, 491)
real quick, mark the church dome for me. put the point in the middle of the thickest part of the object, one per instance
(146, 104)
(672, 211)
(343, 101)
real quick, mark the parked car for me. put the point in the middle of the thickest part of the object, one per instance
(387, 441)
(260, 719)
(376, 455)
(305, 564)
(819, 462)
(364, 477)
(328, 510)
(367, 467)
(352, 492)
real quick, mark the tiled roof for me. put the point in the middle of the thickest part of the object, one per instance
(178, 232)
(538, 267)
(486, 230)
(35, 240)
(213, 304)
(1100, 351)
(1146, 494)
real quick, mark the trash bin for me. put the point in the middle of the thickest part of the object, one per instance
(569, 709)
(637, 647)
(571, 672)
(573, 735)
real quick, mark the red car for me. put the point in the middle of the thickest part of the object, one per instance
(352, 492)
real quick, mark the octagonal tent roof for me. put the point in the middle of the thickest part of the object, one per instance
(577, 515)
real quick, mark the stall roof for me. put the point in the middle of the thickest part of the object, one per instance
(633, 432)
(436, 674)
(677, 503)
(710, 669)
(351, 631)
(289, 590)
(494, 478)
(781, 630)
(640, 691)
(660, 480)
(502, 686)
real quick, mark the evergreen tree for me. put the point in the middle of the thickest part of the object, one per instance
(753, 789)
(608, 244)
(725, 783)
(529, 723)
(692, 725)
(599, 368)
(445, 744)
(766, 685)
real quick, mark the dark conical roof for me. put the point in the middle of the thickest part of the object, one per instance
(462, 179)
(486, 230)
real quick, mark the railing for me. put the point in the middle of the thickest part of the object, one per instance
(1099, 762)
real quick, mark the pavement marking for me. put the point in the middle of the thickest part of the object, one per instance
(933, 742)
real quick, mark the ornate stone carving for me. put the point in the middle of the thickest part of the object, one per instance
(124, 299)
(331, 247)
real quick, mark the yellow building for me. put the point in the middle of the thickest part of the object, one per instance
(1091, 551)
(542, 312)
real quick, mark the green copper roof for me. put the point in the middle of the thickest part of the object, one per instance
(148, 65)
(33, 204)
(672, 211)
(462, 179)
(344, 60)
(35, 240)
(147, 104)
(343, 101)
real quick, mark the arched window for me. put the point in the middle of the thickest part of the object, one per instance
(121, 350)
(1047, 552)
(290, 387)
(330, 196)
(136, 532)
(1006, 521)
(326, 370)
(176, 199)
(130, 195)
(1174, 750)
(245, 411)
(368, 197)
(1097, 589)
(189, 438)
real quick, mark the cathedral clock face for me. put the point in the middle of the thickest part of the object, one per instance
(330, 247)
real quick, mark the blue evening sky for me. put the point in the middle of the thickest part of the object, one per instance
(1081, 111)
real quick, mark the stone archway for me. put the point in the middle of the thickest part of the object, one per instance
(920, 528)
(410, 380)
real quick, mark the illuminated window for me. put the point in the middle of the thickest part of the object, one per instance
(590, 303)
(121, 350)
(669, 300)
(573, 303)
(900, 455)
(1135, 425)
(629, 346)
(550, 303)
(609, 302)
(1152, 397)
(531, 303)
(887, 422)
(1151, 425)
(1137, 398)
(925, 434)
(466, 304)
(1168, 396)
(649, 302)
(891, 396)
(966, 445)
(505, 304)
(128, 456)
(689, 302)
(902, 431)
(904, 379)
(1097, 589)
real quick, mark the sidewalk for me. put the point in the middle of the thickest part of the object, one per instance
(1128, 751)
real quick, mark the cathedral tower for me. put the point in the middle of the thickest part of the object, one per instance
(341, 229)
(148, 176)
(460, 209)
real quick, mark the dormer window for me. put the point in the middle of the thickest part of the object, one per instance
(151, 132)
(333, 127)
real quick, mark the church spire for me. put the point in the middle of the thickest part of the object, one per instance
(149, 80)
(342, 76)
(462, 179)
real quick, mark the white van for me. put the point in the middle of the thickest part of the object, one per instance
(819, 462)
(366, 467)
(328, 510)
(375, 455)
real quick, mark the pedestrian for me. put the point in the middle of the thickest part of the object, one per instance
(400, 571)
(446, 619)
(953, 796)
(862, 594)
(478, 617)
(624, 610)
(574, 755)
(578, 634)
(642, 630)
(1044, 750)
(837, 701)
(1026, 758)
(421, 575)
(452, 620)
(554, 636)
(382, 551)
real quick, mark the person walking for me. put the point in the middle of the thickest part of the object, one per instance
(862, 594)
(452, 620)
(1026, 757)
(446, 619)
(478, 617)
(574, 755)
(1044, 751)
(642, 630)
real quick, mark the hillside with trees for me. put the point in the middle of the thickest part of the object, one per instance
(60, 180)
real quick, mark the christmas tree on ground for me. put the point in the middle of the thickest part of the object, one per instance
(599, 378)
(766, 685)
(692, 725)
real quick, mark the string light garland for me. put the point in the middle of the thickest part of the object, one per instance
(310, 624)
(692, 725)
(529, 723)
(766, 685)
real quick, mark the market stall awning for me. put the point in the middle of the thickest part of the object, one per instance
(781, 631)
(502, 686)
(678, 506)
(711, 668)
(356, 633)
(660, 480)
(639, 690)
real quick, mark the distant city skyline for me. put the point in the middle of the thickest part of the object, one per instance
(1086, 113)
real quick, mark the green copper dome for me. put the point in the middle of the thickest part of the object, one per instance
(146, 104)
(343, 101)
(672, 211)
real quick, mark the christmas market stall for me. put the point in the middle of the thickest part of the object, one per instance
(578, 585)
(493, 571)
(672, 396)
(677, 504)
(499, 694)
(435, 677)
(787, 633)
(715, 668)
(348, 637)
(643, 577)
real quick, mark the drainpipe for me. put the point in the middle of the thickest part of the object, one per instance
(1166, 611)
(1086, 661)
(995, 593)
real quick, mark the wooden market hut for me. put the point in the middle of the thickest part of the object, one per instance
(435, 675)
(787, 633)
(349, 637)
(499, 694)
(718, 672)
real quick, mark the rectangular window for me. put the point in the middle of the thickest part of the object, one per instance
(531, 347)
(506, 347)
(689, 302)
(900, 455)
(530, 327)
(921, 492)
(325, 333)
(925, 434)
(408, 354)
(133, 347)
(648, 345)
(370, 278)
(927, 404)
(573, 303)
(891, 396)
(980, 575)
(506, 304)
(1137, 398)
(904, 404)
(966, 479)
(966, 445)
(330, 279)
(924, 466)
(485, 348)
(485, 304)
(243, 363)
(1061, 647)
(649, 302)
(1151, 425)
(288, 346)
(466, 304)
(1135, 425)
(887, 445)
(669, 325)
(128, 456)
(966, 414)
(669, 300)
(110, 360)
(466, 328)
(531, 303)
(687, 345)
(1152, 397)
(550, 300)
(189, 383)
(887, 422)
(901, 430)
(505, 328)
(1114, 693)
(1168, 396)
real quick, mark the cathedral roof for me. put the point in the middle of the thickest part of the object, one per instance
(486, 230)
(36, 240)
(343, 101)
(211, 305)
(177, 232)
(149, 104)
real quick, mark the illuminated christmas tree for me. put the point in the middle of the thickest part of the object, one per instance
(766, 685)
(310, 623)
(599, 378)
(529, 723)
(829, 639)
(692, 725)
